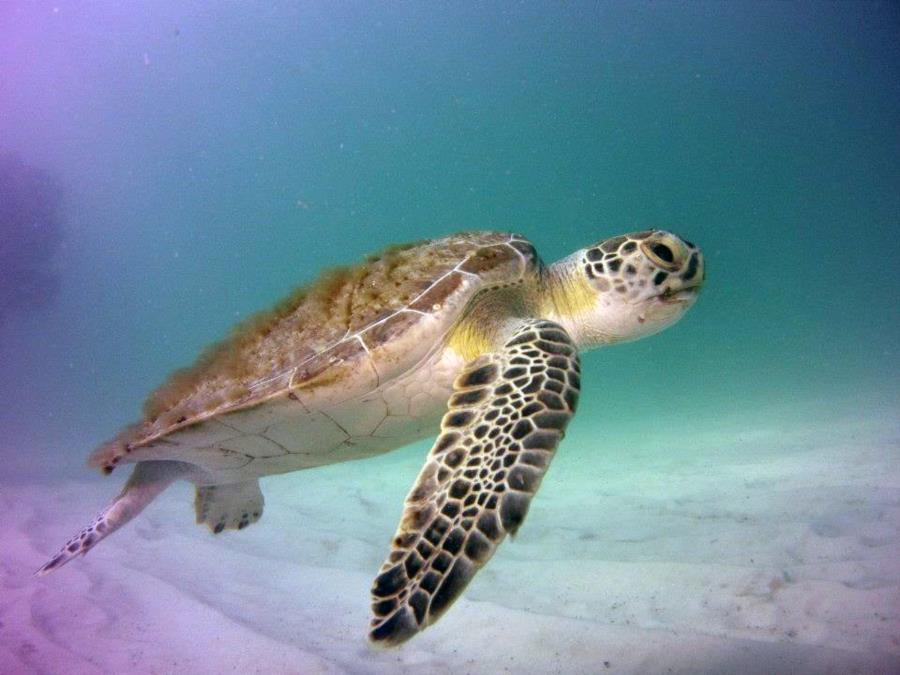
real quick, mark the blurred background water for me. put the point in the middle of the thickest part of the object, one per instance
(168, 168)
(210, 157)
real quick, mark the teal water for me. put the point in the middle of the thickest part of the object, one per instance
(212, 160)
(213, 157)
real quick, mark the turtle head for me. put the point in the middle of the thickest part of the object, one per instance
(626, 287)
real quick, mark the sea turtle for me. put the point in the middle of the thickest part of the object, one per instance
(470, 334)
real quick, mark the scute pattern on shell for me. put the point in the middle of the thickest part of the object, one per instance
(316, 318)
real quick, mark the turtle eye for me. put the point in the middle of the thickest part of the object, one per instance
(664, 252)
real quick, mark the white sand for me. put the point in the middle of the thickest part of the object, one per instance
(777, 554)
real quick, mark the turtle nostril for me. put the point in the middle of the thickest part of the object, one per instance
(663, 252)
(691, 268)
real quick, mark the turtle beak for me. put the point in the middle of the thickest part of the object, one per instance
(685, 296)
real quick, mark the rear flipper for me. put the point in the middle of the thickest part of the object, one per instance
(147, 480)
(232, 506)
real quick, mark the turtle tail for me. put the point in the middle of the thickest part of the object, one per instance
(147, 481)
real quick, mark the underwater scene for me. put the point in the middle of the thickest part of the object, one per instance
(667, 232)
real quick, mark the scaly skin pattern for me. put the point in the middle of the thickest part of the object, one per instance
(506, 417)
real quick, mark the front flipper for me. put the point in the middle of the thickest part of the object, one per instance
(506, 417)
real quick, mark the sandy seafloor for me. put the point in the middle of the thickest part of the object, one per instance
(735, 551)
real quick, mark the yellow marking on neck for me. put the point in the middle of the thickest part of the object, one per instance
(470, 339)
(568, 293)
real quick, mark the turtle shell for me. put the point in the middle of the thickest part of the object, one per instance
(349, 332)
